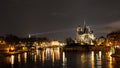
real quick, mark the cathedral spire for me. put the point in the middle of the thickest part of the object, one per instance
(84, 24)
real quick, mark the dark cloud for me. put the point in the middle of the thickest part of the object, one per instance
(22, 17)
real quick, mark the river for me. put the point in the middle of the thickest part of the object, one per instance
(55, 58)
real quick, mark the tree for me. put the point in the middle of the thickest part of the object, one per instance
(113, 38)
(69, 41)
(12, 39)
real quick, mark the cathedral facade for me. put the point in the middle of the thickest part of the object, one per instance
(84, 35)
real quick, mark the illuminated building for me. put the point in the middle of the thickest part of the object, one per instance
(113, 39)
(55, 43)
(84, 35)
(100, 41)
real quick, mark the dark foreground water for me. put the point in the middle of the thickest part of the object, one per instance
(54, 58)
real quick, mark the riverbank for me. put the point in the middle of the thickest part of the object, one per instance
(115, 55)
(86, 48)
(2, 54)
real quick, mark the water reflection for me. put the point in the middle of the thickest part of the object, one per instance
(19, 58)
(92, 59)
(64, 60)
(43, 57)
(110, 59)
(99, 60)
(12, 59)
(35, 58)
(53, 58)
(25, 57)
(50, 54)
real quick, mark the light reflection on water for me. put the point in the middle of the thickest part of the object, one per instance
(92, 59)
(12, 59)
(110, 59)
(99, 60)
(53, 57)
(19, 58)
(64, 60)
(25, 57)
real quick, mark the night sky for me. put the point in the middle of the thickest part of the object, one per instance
(58, 19)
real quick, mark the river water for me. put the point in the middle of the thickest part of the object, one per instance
(55, 58)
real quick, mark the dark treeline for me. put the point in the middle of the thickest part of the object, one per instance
(13, 39)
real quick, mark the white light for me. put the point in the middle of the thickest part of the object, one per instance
(12, 59)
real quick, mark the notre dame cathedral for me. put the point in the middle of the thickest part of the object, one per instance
(84, 35)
